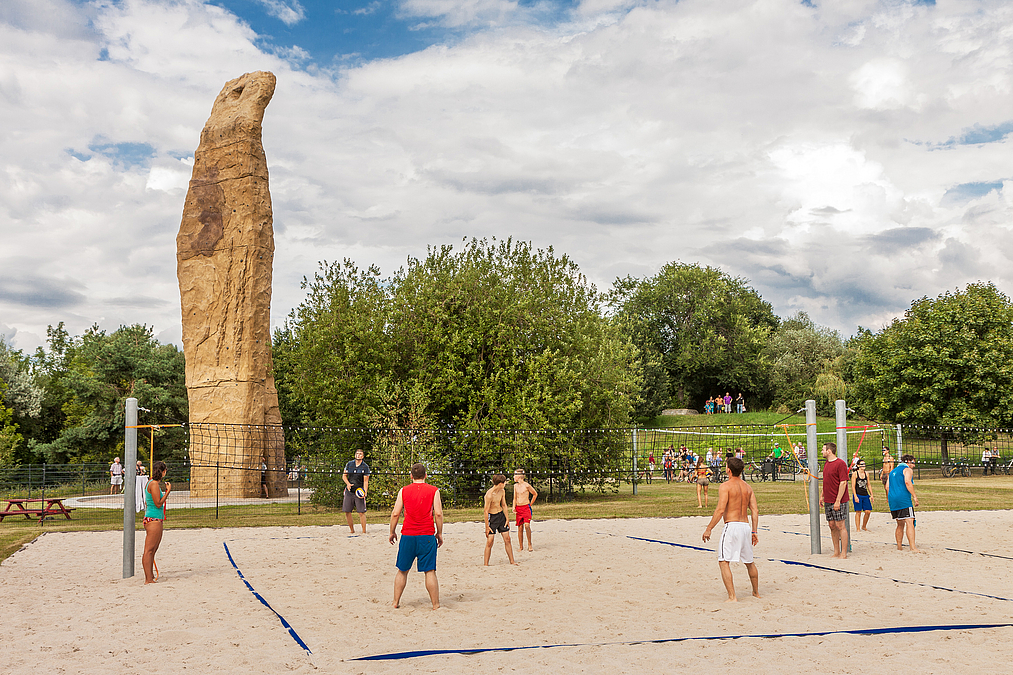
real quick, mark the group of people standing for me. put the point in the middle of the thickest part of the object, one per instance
(990, 460)
(737, 507)
(422, 532)
(723, 404)
(898, 485)
(685, 465)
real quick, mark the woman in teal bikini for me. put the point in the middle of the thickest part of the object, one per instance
(154, 515)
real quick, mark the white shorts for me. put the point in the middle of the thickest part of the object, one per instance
(117, 480)
(736, 543)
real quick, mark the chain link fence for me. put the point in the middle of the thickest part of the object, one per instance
(242, 470)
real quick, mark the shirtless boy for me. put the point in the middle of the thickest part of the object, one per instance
(496, 518)
(735, 498)
(524, 499)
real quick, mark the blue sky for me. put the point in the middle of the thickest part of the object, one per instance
(846, 158)
(341, 33)
(337, 32)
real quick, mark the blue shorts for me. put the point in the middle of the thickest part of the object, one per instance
(863, 503)
(421, 547)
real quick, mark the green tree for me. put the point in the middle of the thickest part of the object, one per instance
(706, 329)
(488, 336)
(501, 335)
(21, 393)
(948, 361)
(103, 370)
(283, 352)
(49, 369)
(493, 335)
(805, 362)
(334, 355)
(10, 439)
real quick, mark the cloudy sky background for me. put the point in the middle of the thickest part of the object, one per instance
(845, 157)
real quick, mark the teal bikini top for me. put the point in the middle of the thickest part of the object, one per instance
(152, 511)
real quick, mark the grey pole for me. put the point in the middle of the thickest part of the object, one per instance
(842, 449)
(129, 487)
(900, 444)
(814, 483)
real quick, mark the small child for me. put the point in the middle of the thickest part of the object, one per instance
(496, 518)
(524, 499)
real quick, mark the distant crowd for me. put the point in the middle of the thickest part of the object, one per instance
(723, 404)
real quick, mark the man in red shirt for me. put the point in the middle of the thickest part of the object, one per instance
(835, 498)
(421, 534)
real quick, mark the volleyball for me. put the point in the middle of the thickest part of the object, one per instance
(360, 493)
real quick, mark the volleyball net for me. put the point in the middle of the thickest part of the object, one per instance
(784, 445)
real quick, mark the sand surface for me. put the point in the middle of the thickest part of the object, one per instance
(66, 609)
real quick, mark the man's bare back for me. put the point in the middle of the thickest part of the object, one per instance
(736, 503)
(738, 499)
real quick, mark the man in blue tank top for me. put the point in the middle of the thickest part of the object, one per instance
(900, 491)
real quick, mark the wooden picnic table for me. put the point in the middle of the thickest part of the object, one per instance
(22, 506)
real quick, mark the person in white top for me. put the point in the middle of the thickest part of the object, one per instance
(115, 477)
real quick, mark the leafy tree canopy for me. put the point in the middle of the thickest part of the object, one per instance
(805, 362)
(490, 335)
(96, 373)
(705, 329)
(948, 361)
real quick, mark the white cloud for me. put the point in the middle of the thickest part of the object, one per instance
(289, 13)
(882, 84)
(170, 176)
(734, 135)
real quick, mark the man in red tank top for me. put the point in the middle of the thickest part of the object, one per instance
(421, 534)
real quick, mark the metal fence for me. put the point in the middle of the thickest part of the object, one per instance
(229, 468)
(947, 452)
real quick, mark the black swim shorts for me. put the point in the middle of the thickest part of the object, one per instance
(902, 514)
(498, 522)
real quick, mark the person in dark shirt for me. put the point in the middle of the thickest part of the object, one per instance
(356, 477)
(835, 498)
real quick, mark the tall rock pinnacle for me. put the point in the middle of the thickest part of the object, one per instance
(224, 256)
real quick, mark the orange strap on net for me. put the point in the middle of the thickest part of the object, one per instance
(806, 474)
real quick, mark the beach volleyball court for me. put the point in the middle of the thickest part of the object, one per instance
(595, 596)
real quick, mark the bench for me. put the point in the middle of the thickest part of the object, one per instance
(22, 506)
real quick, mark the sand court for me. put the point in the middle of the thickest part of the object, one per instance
(601, 586)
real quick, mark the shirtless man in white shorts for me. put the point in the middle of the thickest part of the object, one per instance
(735, 499)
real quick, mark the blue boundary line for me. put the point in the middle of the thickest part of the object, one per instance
(889, 543)
(258, 596)
(859, 631)
(834, 569)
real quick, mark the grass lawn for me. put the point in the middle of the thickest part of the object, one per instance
(655, 500)
(745, 419)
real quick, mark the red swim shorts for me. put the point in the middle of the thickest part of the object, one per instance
(523, 514)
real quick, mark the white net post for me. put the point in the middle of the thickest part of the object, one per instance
(129, 486)
(841, 409)
(814, 484)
